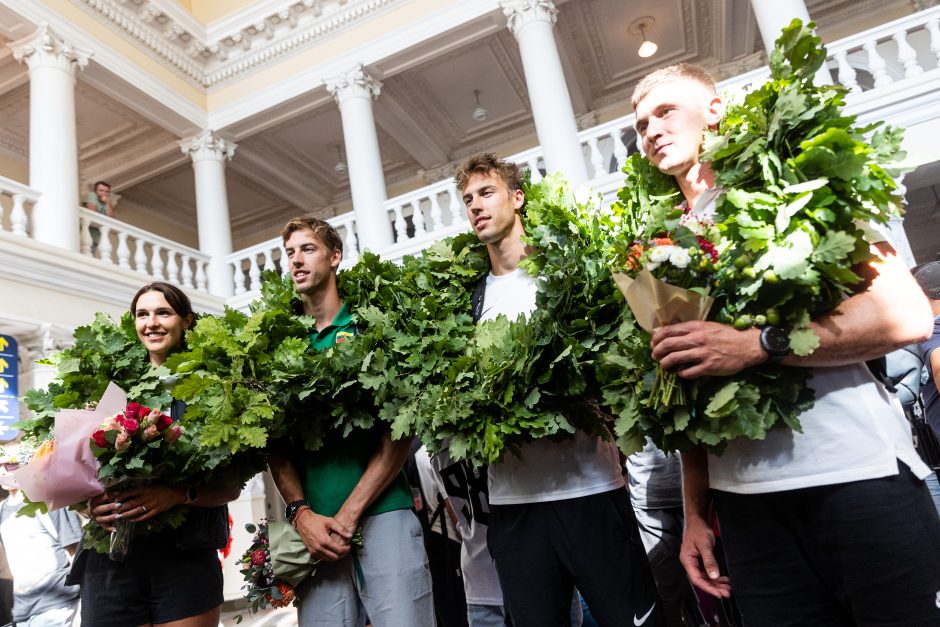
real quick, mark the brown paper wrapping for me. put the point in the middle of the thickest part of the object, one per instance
(655, 303)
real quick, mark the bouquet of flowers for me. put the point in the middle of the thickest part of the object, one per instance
(263, 587)
(133, 447)
(667, 279)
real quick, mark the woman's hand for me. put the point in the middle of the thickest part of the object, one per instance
(137, 504)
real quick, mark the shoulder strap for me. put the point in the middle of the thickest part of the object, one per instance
(476, 300)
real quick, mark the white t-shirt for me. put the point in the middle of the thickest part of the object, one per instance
(856, 430)
(548, 471)
(466, 489)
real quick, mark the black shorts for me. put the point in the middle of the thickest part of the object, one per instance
(864, 553)
(152, 586)
(543, 550)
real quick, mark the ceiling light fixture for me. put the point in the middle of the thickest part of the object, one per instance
(340, 167)
(639, 27)
(480, 113)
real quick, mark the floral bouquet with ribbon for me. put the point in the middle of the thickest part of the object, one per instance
(276, 561)
(665, 280)
(132, 447)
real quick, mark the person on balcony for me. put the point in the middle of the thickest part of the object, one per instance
(560, 516)
(98, 200)
(831, 526)
(172, 576)
(350, 483)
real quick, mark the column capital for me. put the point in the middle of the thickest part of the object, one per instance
(208, 145)
(521, 13)
(356, 83)
(46, 48)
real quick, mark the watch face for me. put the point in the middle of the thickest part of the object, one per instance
(776, 340)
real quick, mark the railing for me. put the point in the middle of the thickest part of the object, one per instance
(131, 248)
(22, 197)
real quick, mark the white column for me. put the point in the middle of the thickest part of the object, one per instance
(209, 153)
(354, 93)
(53, 145)
(532, 22)
(773, 15)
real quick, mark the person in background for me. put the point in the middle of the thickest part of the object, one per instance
(39, 551)
(928, 278)
(98, 200)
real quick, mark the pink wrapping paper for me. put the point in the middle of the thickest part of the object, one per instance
(69, 474)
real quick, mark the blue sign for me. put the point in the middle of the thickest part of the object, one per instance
(9, 387)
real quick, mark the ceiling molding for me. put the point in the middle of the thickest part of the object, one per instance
(227, 49)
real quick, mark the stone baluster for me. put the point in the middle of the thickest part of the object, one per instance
(847, 72)
(238, 277)
(907, 55)
(350, 245)
(437, 217)
(535, 173)
(933, 27)
(186, 272)
(620, 149)
(156, 261)
(597, 159)
(458, 212)
(123, 252)
(84, 235)
(18, 217)
(401, 227)
(172, 269)
(269, 260)
(104, 244)
(876, 64)
(254, 273)
(140, 256)
(202, 278)
(417, 217)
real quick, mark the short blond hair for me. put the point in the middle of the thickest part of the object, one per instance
(670, 73)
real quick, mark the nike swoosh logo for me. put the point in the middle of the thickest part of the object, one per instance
(642, 619)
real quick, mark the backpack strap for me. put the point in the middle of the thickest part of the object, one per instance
(476, 299)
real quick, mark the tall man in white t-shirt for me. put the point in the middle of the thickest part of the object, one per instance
(831, 526)
(559, 516)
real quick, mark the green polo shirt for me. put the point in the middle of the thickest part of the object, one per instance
(330, 474)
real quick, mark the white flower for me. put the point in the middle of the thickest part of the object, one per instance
(679, 257)
(661, 254)
(583, 195)
(652, 265)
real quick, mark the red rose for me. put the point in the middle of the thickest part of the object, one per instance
(163, 422)
(144, 411)
(98, 437)
(131, 426)
(132, 410)
(257, 557)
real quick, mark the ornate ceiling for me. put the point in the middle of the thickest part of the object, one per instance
(286, 156)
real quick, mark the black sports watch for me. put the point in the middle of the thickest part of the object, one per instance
(292, 508)
(776, 343)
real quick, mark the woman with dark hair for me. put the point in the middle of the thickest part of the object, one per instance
(172, 577)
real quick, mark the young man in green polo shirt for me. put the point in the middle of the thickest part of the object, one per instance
(349, 483)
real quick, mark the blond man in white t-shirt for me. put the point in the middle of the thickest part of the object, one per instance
(559, 516)
(831, 526)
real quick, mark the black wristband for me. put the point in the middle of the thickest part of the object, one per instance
(290, 512)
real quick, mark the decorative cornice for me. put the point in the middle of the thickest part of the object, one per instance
(46, 48)
(521, 13)
(208, 145)
(208, 56)
(357, 83)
